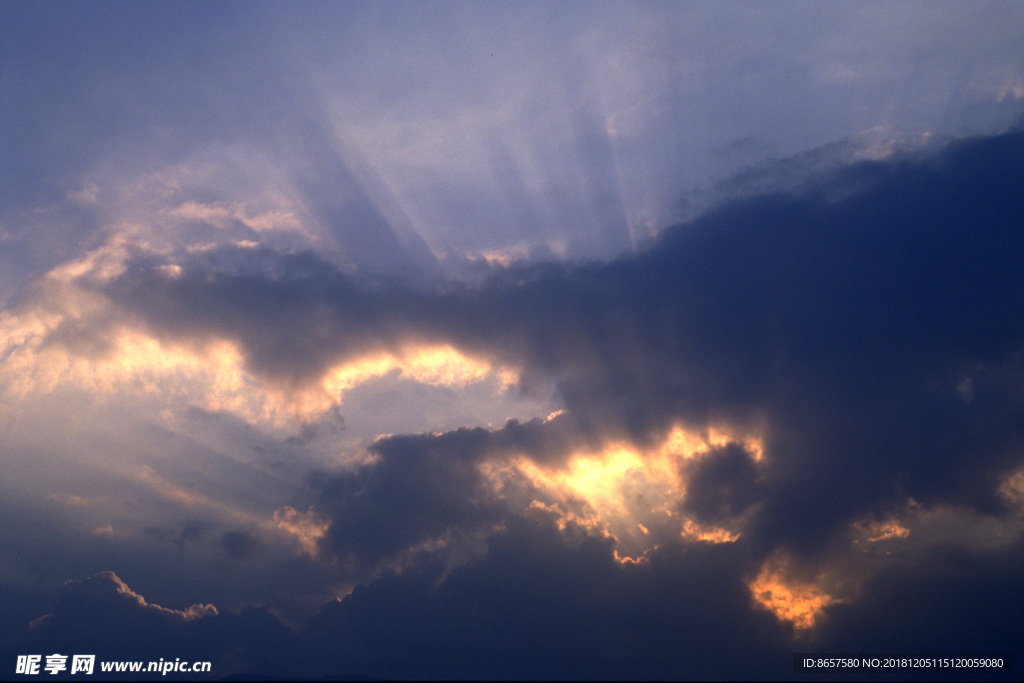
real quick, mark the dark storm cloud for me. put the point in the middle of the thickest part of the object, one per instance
(191, 532)
(952, 599)
(542, 604)
(545, 604)
(722, 485)
(551, 603)
(101, 615)
(240, 545)
(251, 298)
(420, 489)
(424, 488)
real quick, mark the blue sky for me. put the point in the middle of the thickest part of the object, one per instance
(510, 340)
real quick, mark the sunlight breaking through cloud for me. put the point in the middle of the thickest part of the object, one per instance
(796, 602)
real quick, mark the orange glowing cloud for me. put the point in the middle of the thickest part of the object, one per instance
(1012, 489)
(222, 215)
(917, 527)
(438, 365)
(614, 490)
(72, 336)
(882, 531)
(796, 602)
(623, 490)
(707, 534)
(306, 528)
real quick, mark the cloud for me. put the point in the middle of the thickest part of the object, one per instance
(542, 603)
(85, 612)
(723, 485)
(428, 491)
(547, 604)
(844, 319)
(232, 368)
(767, 403)
(101, 615)
(240, 545)
(963, 600)
(553, 601)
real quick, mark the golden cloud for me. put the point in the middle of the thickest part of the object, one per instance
(796, 602)
(625, 491)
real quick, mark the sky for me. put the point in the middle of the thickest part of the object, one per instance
(511, 340)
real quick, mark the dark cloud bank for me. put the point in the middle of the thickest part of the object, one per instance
(847, 320)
